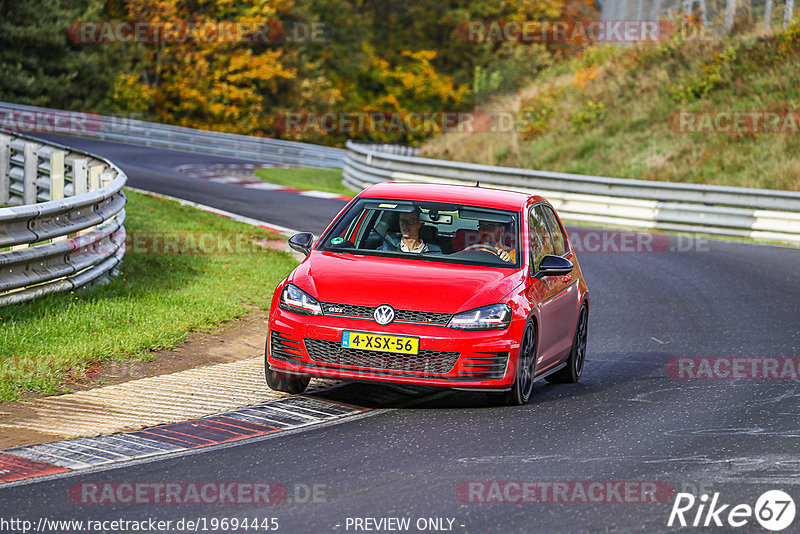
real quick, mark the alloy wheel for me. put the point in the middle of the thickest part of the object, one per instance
(527, 362)
(580, 348)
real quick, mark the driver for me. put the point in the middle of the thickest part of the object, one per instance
(491, 233)
(409, 240)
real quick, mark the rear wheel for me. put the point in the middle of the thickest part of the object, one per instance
(572, 372)
(526, 366)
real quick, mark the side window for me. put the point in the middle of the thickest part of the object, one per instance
(559, 240)
(540, 237)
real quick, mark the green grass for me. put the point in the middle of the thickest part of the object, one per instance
(608, 113)
(157, 300)
(329, 180)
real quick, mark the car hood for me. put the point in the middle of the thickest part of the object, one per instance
(402, 283)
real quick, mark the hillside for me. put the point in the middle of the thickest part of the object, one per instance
(704, 111)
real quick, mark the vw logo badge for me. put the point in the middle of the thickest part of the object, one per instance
(384, 314)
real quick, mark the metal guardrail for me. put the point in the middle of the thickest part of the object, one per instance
(63, 225)
(714, 14)
(726, 211)
(31, 119)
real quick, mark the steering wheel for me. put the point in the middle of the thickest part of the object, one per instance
(483, 247)
(499, 252)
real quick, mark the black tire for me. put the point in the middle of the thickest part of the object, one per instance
(577, 356)
(522, 389)
(288, 383)
(281, 381)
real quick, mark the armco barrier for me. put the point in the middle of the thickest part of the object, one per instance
(30, 119)
(62, 227)
(726, 211)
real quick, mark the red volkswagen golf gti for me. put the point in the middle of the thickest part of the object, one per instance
(439, 285)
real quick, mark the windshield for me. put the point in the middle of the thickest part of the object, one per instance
(432, 231)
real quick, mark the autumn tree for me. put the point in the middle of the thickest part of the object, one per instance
(210, 79)
(372, 55)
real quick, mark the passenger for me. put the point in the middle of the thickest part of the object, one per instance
(491, 233)
(408, 240)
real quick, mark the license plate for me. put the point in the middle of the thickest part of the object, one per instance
(380, 342)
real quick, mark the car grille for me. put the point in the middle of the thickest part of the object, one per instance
(403, 316)
(489, 367)
(284, 348)
(427, 361)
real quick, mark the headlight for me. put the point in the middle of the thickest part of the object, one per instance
(296, 300)
(494, 317)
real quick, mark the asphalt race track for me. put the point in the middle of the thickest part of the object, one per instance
(156, 170)
(627, 423)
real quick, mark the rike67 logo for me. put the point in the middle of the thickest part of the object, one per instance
(774, 510)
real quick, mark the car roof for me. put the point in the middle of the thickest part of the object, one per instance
(458, 194)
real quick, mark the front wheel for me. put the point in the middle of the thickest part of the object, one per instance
(526, 365)
(286, 382)
(572, 372)
(283, 381)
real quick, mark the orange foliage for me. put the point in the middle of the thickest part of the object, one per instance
(214, 85)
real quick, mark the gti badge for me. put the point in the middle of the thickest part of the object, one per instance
(384, 314)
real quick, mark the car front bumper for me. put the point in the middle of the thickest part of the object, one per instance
(447, 357)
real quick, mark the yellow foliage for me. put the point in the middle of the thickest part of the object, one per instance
(243, 87)
(537, 9)
(132, 94)
(585, 75)
(212, 84)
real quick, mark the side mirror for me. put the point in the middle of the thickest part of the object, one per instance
(302, 242)
(554, 266)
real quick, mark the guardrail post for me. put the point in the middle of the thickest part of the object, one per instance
(5, 168)
(94, 177)
(107, 177)
(31, 174)
(79, 176)
(623, 8)
(768, 14)
(730, 15)
(56, 175)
